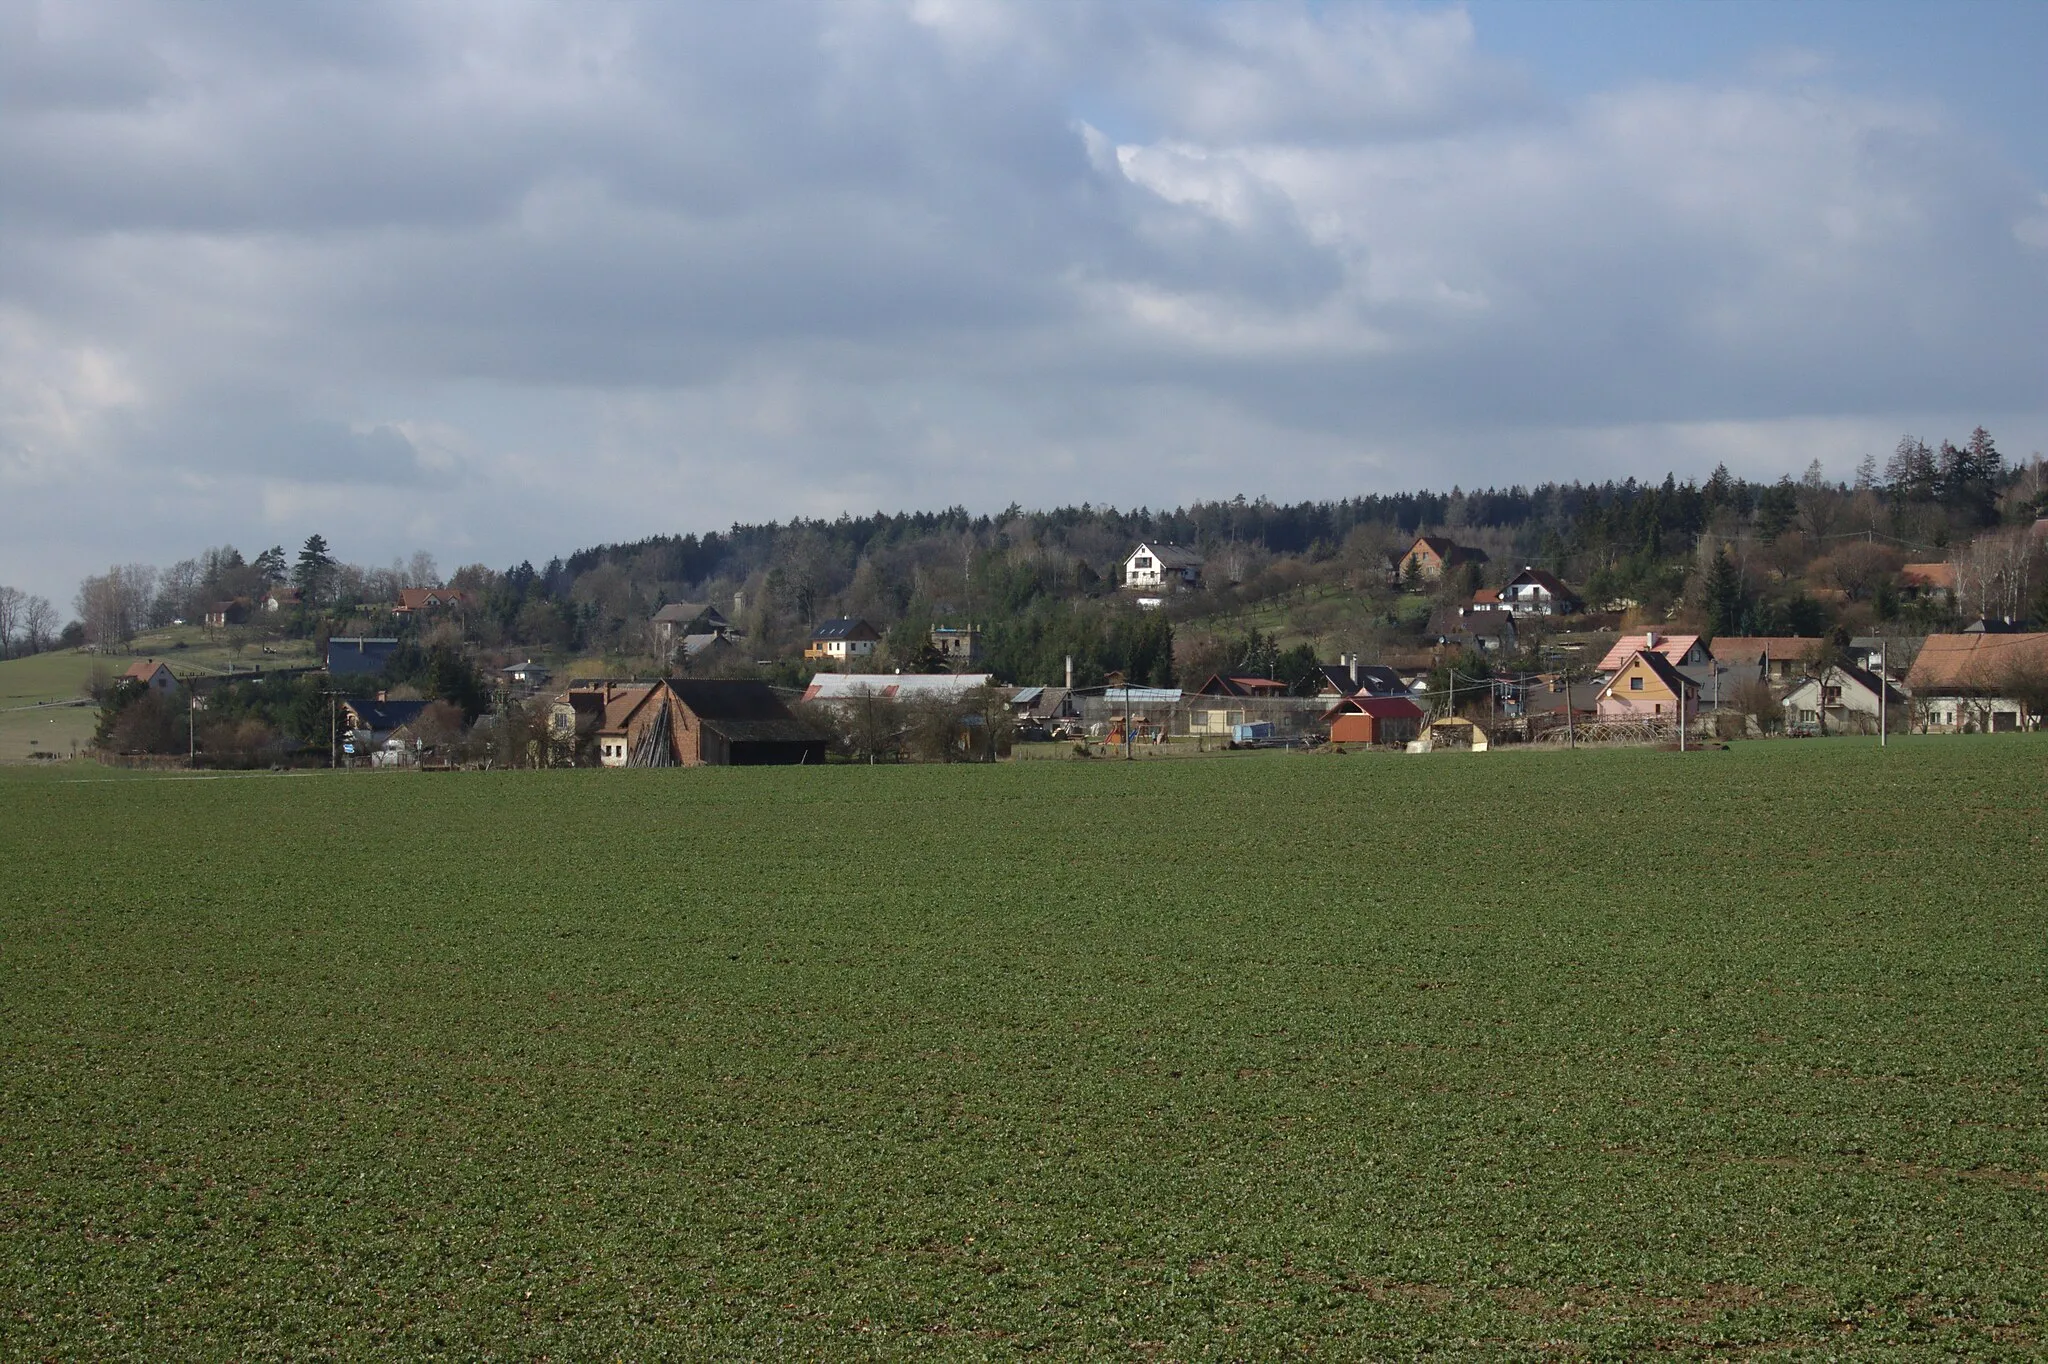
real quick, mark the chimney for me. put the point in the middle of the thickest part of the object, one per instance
(1070, 672)
(1354, 669)
(1649, 639)
(380, 696)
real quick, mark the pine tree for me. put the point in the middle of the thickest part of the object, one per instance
(314, 569)
(1723, 593)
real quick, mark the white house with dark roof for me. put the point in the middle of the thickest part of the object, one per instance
(1156, 567)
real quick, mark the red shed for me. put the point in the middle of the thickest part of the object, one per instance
(1374, 720)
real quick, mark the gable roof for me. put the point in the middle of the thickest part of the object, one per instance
(1380, 707)
(1667, 672)
(1744, 650)
(688, 613)
(1448, 550)
(844, 627)
(1169, 556)
(742, 711)
(1670, 647)
(1374, 679)
(143, 669)
(1543, 578)
(384, 714)
(1224, 684)
(1974, 664)
(1865, 679)
(418, 598)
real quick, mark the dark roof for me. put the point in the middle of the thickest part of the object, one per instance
(1382, 707)
(1375, 679)
(1172, 556)
(355, 655)
(386, 714)
(688, 613)
(844, 627)
(1544, 579)
(744, 712)
(1871, 683)
(1667, 671)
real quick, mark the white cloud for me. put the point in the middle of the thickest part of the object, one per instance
(533, 275)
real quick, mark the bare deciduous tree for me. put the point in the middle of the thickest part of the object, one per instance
(12, 600)
(38, 623)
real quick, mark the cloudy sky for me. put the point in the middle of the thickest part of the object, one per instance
(499, 279)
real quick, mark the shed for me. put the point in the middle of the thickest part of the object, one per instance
(1374, 720)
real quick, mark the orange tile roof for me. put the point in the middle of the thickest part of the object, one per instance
(1928, 575)
(1672, 647)
(1974, 663)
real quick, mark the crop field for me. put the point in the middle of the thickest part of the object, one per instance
(1516, 1056)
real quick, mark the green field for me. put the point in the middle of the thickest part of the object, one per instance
(1523, 1055)
(30, 725)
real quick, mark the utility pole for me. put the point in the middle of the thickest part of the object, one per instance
(192, 732)
(1884, 686)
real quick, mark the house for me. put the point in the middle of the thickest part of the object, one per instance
(1486, 599)
(841, 640)
(222, 614)
(707, 650)
(1883, 654)
(1537, 592)
(1680, 650)
(526, 674)
(680, 619)
(370, 725)
(1778, 660)
(1972, 684)
(834, 688)
(960, 646)
(1374, 720)
(412, 600)
(1349, 677)
(1649, 687)
(1487, 632)
(1152, 567)
(359, 655)
(282, 599)
(1220, 684)
(151, 675)
(703, 722)
(1928, 582)
(1042, 705)
(1431, 555)
(1844, 699)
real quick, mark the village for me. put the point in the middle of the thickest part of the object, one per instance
(1457, 688)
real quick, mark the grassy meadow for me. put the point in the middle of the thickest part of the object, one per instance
(1521, 1055)
(31, 725)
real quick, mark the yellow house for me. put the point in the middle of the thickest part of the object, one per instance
(1649, 687)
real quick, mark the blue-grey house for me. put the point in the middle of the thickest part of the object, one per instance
(358, 655)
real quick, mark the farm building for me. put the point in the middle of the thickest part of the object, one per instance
(701, 722)
(841, 687)
(680, 619)
(1979, 684)
(1374, 720)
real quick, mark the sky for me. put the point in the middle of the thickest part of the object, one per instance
(504, 278)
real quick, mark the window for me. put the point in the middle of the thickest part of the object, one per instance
(1142, 561)
(1635, 684)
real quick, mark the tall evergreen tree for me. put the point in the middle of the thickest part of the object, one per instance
(314, 570)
